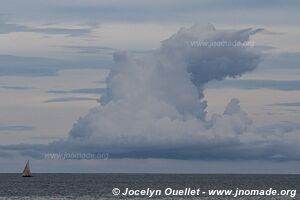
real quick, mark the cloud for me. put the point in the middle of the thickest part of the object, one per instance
(28, 66)
(9, 87)
(167, 11)
(16, 128)
(71, 32)
(104, 51)
(285, 60)
(101, 81)
(284, 85)
(290, 104)
(6, 28)
(92, 49)
(154, 107)
(9, 28)
(35, 66)
(70, 99)
(80, 91)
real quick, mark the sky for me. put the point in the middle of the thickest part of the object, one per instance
(121, 79)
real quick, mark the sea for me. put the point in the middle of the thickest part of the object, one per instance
(139, 186)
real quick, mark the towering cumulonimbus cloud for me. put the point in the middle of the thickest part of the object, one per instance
(154, 107)
(182, 66)
(157, 102)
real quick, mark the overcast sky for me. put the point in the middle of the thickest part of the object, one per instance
(55, 57)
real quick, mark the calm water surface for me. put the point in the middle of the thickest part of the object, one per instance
(99, 186)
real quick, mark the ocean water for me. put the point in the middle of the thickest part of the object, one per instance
(100, 186)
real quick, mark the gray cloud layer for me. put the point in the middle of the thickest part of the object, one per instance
(249, 12)
(285, 85)
(10, 87)
(35, 66)
(6, 28)
(16, 128)
(101, 50)
(290, 104)
(70, 99)
(82, 91)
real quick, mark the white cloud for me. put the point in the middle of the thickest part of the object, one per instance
(154, 107)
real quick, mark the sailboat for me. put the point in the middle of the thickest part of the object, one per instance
(26, 171)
